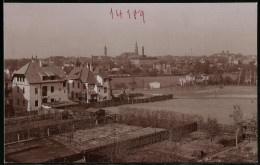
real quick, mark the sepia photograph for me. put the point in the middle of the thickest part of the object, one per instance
(130, 82)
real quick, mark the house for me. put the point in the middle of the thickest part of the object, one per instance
(135, 61)
(89, 85)
(182, 81)
(104, 84)
(154, 84)
(162, 67)
(95, 113)
(147, 62)
(202, 61)
(187, 80)
(35, 84)
(81, 83)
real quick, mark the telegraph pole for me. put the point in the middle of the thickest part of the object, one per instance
(239, 76)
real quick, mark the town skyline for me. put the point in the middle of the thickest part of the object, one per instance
(69, 29)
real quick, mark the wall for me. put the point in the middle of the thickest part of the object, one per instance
(59, 94)
(22, 97)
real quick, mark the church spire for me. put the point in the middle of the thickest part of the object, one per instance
(105, 50)
(136, 48)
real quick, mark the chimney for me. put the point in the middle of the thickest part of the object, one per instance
(142, 50)
(40, 63)
(32, 59)
(91, 67)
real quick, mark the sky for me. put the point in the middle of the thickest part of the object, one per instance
(163, 29)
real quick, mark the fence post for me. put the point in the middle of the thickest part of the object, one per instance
(48, 132)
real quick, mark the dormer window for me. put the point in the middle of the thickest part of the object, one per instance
(45, 78)
(52, 77)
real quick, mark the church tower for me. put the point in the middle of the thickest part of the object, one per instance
(105, 50)
(136, 49)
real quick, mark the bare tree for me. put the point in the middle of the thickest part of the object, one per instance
(237, 116)
(212, 129)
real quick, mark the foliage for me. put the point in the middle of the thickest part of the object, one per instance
(121, 85)
(212, 128)
(133, 84)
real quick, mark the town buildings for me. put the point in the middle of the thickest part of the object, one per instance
(38, 84)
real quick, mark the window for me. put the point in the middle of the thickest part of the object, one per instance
(72, 94)
(64, 84)
(23, 90)
(44, 90)
(52, 89)
(45, 78)
(73, 85)
(78, 84)
(52, 77)
(45, 100)
(23, 102)
(59, 89)
(18, 78)
(77, 95)
(36, 91)
(18, 101)
(98, 90)
(52, 100)
(36, 103)
(105, 90)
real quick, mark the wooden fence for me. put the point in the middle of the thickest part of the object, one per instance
(110, 150)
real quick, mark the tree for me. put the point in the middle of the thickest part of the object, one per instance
(142, 83)
(133, 83)
(212, 128)
(237, 116)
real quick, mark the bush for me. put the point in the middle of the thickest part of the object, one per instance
(228, 80)
(227, 142)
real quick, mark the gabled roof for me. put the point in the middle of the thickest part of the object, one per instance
(102, 73)
(82, 74)
(93, 110)
(34, 72)
(22, 70)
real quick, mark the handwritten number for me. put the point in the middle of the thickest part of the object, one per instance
(111, 13)
(120, 14)
(142, 15)
(128, 11)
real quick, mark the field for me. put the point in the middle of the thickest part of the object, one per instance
(208, 102)
(189, 148)
(164, 80)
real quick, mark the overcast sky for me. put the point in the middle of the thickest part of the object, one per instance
(84, 29)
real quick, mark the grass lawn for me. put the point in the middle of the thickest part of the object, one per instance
(205, 102)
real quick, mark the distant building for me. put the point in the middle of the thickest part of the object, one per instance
(130, 55)
(154, 84)
(147, 62)
(162, 67)
(35, 84)
(187, 80)
(202, 61)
